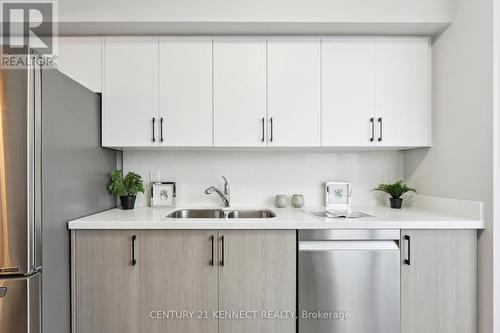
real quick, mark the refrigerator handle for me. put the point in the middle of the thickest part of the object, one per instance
(35, 160)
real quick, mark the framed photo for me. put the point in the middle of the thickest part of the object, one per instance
(337, 194)
(162, 194)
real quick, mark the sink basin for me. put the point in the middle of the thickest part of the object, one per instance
(220, 214)
(198, 214)
(251, 214)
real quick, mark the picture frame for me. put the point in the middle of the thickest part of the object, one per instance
(163, 194)
(337, 194)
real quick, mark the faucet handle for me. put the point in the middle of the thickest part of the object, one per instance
(226, 186)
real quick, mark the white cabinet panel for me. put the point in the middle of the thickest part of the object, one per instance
(348, 91)
(81, 59)
(130, 94)
(403, 91)
(185, 91)
(240, 92)
(294, 72)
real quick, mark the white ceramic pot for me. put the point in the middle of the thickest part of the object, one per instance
(281, 200)
(298, 200)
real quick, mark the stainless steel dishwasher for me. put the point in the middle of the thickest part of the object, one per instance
(349, 281)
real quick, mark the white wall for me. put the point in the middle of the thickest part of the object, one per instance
(255, 177)
(395, 11)
(459, 165)
(496, 167)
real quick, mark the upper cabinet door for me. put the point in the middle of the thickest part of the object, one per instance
(240, 92)
(294, 78)
(185, 92)
(130, 94)
(80, 58)
(348, 91)
(403, 92)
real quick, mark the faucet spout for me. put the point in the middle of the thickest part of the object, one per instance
(225, 197)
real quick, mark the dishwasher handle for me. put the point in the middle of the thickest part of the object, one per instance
(347, 245)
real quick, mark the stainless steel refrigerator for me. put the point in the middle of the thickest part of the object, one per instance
(52, 169)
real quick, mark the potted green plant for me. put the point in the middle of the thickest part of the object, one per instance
(126, 187)
(395, 190)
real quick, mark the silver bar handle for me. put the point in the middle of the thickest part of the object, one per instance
(347, 245)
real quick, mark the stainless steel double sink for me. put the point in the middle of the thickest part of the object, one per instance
(221, 214)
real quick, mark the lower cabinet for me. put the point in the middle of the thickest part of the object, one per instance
(258, 274)
(225, 281)
(177, 275)
(189, 281)
(438, 281)
(106, 294)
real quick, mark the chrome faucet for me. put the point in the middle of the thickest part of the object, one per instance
(226, 197)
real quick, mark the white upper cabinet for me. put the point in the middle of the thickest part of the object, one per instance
(376, 92)
(258, 92)
(348, 91)
(403, 92)
(294, 92)
(81, 59)
(130, 94)
(185, 94)
(240, 114)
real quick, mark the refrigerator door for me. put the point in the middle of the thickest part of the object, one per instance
(20, 304)
(16, 228)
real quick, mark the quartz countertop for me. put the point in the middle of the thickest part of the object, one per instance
(286, 218)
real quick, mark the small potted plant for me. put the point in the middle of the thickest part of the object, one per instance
(126, 188)
(395, 190)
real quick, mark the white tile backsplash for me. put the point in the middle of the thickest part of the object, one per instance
(255, 177)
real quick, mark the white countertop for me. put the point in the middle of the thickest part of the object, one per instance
(286, 218)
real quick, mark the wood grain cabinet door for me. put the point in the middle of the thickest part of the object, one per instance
(106, 281)
(178, 281)
(438, 281)
(257, 275)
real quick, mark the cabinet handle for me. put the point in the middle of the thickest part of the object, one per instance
(263, 130)
(222, 251)
(272, 130)
(212, 238)
(134, 261)
(154, 120)
(408, 254)
(380, 126)
(372, 121)
(161, 129)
